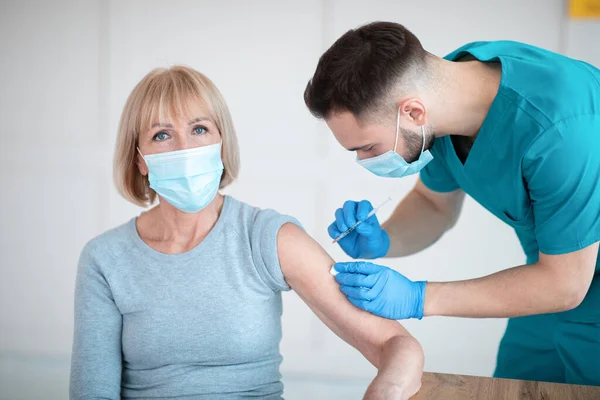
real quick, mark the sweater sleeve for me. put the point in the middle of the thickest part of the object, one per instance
(96, 358)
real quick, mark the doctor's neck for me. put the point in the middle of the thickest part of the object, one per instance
(460, 95)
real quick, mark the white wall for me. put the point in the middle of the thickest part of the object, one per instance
(66, 68)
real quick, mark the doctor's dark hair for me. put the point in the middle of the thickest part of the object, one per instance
(357, 72)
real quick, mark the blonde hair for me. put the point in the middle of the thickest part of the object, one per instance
(168, 93)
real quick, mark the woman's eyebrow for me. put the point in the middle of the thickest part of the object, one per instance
(161, 125)
(167, 125)
(199, 119)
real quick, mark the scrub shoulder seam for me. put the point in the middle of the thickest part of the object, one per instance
(556, 123)
(536, 120)
(584, 66)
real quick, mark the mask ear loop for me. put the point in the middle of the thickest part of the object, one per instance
(423, 135)
(143, 158)
(397, 129)
(139, 151)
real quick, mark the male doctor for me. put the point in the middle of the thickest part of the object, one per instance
(515, 127)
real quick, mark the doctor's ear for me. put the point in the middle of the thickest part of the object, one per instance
(414, 111)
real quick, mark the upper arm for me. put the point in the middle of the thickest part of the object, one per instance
(437, 185)
(306, 267)
(263, 246)
(562, 172)
(448, 204)
(96, 358)
(574, 270)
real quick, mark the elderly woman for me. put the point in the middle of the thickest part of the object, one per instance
(184, 301)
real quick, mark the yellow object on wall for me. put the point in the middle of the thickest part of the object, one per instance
(584, 8)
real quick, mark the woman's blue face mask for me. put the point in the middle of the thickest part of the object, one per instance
(188, 179)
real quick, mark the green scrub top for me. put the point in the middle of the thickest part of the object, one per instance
(535, 162)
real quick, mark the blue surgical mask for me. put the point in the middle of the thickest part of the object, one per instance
(188, 179)
(391, 164)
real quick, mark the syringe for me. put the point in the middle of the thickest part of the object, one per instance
(369, 215)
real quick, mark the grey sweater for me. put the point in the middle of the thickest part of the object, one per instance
(205, 324)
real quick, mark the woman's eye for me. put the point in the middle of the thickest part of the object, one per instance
(199, 130)
(160, 136)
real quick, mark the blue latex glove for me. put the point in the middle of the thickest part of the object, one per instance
(368, 240)
(381, 290)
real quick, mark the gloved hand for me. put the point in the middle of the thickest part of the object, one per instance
(381, 290)
(368, 240)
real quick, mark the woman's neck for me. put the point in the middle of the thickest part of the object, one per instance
(171, 231)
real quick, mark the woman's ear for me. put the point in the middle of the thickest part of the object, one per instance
(141, 164)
